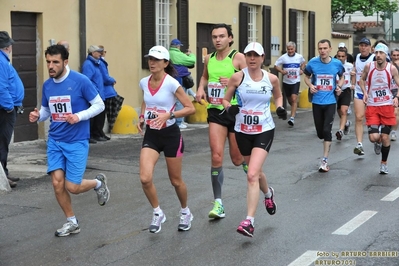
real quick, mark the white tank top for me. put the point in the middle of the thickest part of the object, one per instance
(359, 70)
(159, 100)
(347, 75)
(379, 86)
(254, 98)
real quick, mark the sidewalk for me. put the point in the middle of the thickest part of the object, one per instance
(28, 159)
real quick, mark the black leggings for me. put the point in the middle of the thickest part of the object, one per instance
(323, 116)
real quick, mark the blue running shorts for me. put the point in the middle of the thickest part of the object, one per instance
(69, 157)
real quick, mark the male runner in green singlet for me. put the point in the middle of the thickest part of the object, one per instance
(219, 66)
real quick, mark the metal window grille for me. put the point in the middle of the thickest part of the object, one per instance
(162, 33)
(252, 30)
(300, 35)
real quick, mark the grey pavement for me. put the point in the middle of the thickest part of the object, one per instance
(310, 206)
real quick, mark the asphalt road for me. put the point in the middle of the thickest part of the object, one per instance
(345, 216)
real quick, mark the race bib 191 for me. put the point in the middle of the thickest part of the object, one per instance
(60, 107)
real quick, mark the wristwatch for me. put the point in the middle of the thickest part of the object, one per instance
(172, 115)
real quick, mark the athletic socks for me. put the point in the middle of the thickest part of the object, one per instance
(217, 181)
(158, 210)
(98, 184)
(72, 219)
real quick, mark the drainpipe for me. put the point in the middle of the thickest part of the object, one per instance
(284, 12)
(284, 41)
(82, 31)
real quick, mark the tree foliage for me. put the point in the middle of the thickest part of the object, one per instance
(340, 8)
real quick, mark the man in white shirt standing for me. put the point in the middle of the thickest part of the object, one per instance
(291, 65)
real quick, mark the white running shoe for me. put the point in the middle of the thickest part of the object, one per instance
(383, 169)
(324, 166)
(393, 135)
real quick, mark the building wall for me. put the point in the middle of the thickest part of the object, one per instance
(117, 26)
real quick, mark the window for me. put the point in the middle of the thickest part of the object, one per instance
(252, 30)
(162, 23)
(156, 24)
(300, 38)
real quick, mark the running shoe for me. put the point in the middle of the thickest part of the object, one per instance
(182, 126)
(67, 229)
(383, 169)
(358, 150)
(157, 220)
(349, 112)
(270, 204)
(324, 166)
(103, 191)
(339, 134)
(377, 148)
(393, 135)
(291, 121)
(185, 221)
(217, 212)
(246, 228)
(347, 129)
(245, 167)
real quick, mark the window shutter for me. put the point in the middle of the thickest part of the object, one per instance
(182, 22)
(292, 27)
(312, 34)
(243, 26)
(267, 34)
(147, 29)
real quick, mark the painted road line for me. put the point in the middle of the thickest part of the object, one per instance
(305, 259)
(391, 196)
(351, 226)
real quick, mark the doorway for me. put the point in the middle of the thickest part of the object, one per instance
(23, 32)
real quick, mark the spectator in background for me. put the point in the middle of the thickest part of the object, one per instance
(182, 62)
(64, 43)
(113, 101)
(12, 93)
(91, 69)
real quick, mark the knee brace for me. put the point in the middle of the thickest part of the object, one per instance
(373, 129)
(386, 129)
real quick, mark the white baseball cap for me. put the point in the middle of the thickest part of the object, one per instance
(256, 47)
(341, 45)
(159, 52)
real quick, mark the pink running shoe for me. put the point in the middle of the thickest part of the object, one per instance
(246, 228)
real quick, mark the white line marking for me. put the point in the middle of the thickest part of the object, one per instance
(351, 226)
(305, 259)
(391, 196)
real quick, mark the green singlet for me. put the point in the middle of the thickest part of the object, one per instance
(217, 69)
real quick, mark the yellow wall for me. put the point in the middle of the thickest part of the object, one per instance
(117, 26)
